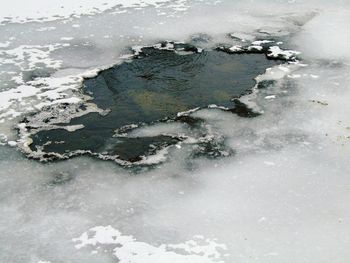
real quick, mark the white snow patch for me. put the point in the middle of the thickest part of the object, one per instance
(276, 51)
(159, 157)
(128, 250)
(255, 47)
(42, 10)
(260, 42)
(236, 48)
(12, 143)
(67, 38)
(270, 97)
(72, 128)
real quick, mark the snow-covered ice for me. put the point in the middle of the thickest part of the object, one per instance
(281, 197)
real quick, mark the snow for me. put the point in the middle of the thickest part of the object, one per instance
(72, 128)
(236, 48)
(281, 197)
(259, 42)
(41, 10)
(127, 249)
(275, 51)
(12, 143)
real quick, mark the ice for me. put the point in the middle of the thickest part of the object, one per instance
(158, 129)
(328, 30)
(128, 249)
(62, 8)
(281, 197)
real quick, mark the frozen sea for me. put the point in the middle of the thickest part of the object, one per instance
(283, 193)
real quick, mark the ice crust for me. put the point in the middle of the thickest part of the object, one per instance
(282, 197)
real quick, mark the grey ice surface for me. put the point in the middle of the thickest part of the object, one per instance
(282, 197)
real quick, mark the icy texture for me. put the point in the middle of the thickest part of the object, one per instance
(282, 198)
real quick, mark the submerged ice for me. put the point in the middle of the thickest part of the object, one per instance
(281, 197)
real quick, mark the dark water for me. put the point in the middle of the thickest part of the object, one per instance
(154, 86)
